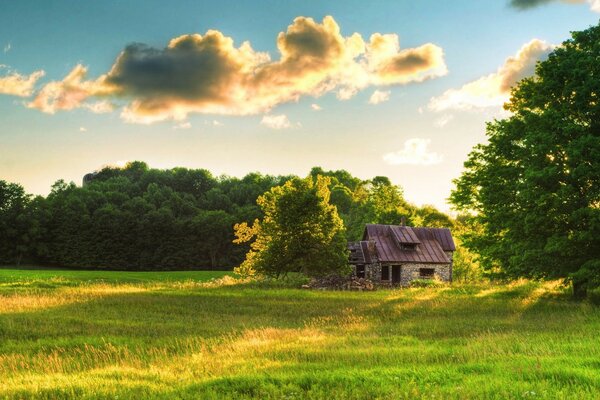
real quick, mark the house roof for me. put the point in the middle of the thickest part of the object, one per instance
(359, 252)
(394, 243)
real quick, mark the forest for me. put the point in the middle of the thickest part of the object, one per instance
(141, 218)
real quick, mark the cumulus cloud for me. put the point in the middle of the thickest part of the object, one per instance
(15, 84)
(493, 90)
(316, 107)
(71, 93)
(379, 96)
(415, 152)
(526, 4)
(209, 74)
(390, 65)
(276, 121)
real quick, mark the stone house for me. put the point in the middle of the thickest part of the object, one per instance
(394, 255)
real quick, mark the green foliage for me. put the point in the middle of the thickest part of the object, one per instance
(19, 227)
(426, 283)
(139, 218)
(300, 232)
(535, 187)
(131, 335)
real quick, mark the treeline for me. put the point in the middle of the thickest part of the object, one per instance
(139, 218)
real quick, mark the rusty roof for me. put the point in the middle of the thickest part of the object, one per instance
(396, 243)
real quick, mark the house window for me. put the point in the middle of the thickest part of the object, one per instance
(426, 273)
(360, 271)
(385, 272)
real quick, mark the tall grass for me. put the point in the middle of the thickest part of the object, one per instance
(65, 337)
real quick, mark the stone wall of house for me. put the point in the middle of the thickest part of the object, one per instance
(411, 271)
(408, 272)
(373, 272)
(450, 255)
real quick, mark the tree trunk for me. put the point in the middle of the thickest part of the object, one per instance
(579, 290)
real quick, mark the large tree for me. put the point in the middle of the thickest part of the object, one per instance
(300, 232)
(535, 186)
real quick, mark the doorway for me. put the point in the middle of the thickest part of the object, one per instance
(395, 274)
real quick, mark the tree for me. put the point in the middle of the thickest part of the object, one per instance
(214, 233)
(535, 186)
(18, 228)
(300, 232)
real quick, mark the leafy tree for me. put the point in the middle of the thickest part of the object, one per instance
(18, 228)
(535, 186)
(214, 233)
(300, 232)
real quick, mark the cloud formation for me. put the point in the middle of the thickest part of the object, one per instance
(415, 152)
(493, 90)
(276, 121)
(379, 96)
(526, 4)
(209, 74)
(71, 93)
(15, 84)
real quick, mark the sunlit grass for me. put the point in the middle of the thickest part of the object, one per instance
(193, 337)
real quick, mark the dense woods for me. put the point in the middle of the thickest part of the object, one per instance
(141, 218)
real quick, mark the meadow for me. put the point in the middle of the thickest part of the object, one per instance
(206, 335)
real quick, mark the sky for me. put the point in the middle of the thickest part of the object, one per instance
(395, 88)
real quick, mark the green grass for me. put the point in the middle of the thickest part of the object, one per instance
(177, 335)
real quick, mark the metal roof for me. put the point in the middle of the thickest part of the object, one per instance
(396, 243)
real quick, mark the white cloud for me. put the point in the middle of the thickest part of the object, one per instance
(315, 107)
(443, 120)
(594, 5)
(82, 129)
(276, 121)
(7, 48)
(379, 96)
(183, 125)
(15, 84)
(217, 123)
(493, 90)
(414, 153)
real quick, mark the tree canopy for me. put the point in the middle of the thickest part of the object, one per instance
(300, 231)
(140, 218)
(535, 186)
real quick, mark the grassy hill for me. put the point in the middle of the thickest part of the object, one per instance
(69, 334)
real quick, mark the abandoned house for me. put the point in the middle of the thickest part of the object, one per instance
(397, 254)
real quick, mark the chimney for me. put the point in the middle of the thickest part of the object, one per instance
(403, 221)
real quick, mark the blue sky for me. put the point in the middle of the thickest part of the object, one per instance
(418, 133)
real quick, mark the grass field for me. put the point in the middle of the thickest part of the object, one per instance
(174, 335)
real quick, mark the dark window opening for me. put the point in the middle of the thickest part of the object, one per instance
(426, 273)
(385, 273)
(360, 271)
(408, 246)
